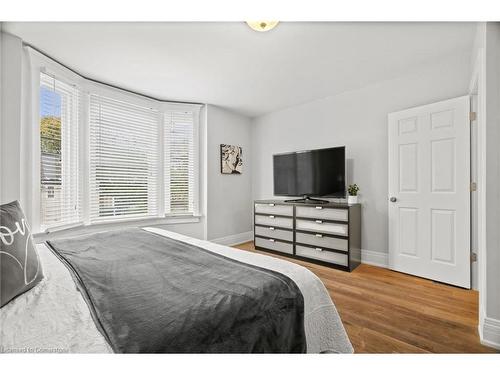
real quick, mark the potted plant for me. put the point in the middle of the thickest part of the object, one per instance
(353, 194)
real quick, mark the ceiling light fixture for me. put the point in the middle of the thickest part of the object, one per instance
(262, 26)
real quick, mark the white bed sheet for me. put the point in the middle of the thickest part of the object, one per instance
(53, 316)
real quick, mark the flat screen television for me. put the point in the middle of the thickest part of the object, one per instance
(314, 173)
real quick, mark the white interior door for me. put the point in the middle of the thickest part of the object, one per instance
(429, 196)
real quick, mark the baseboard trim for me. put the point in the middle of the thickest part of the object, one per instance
(489, 332)
(375, 258)
(234, 239)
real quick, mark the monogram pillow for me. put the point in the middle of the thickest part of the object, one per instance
(20, 268)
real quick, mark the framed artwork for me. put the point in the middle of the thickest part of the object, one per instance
(231, 161)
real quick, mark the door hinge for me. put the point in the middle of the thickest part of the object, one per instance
(472, 116)
(473, 257)
(473, 186)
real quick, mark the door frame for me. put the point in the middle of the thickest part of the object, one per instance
(477, 87)
(474, 211)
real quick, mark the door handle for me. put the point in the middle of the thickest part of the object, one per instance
(393, 199)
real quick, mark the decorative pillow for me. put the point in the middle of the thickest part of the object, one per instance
(20, 267)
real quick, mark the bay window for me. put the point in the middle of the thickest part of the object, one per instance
(113, 156)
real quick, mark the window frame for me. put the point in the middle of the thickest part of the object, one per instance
(39, 63)
(76, 116)
(196, 154)
(154, 212)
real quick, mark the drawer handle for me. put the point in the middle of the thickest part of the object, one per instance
(319, 249)
(319, 207)
(271, 216)
(319, 235)
(271, 228)
(319, 221)
(271, 204)
(271, 239)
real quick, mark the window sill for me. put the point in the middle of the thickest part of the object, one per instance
(97, 227)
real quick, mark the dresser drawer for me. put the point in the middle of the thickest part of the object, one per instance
(274, 233)
(320, 212)
(273, 209)
(319, 240)
(275, 245)
(322, 227)
(324, 255)
(273, 221)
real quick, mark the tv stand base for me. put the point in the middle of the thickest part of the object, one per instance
(306, 199)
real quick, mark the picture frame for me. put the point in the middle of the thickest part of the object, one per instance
(231, 160)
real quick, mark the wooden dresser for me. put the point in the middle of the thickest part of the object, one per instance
(329, 233)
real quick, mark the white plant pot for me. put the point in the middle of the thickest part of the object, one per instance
(352, 199)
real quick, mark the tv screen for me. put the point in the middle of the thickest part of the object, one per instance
(318, 173)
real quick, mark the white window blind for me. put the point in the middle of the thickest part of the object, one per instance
(59, 173)
(179, 163)
(123, 160)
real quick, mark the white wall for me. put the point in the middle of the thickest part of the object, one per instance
(229, 206)
(10, 129)
(490, 323)
(358, 120)
(493, 167)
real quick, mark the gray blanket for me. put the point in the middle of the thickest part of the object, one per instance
(152, 294)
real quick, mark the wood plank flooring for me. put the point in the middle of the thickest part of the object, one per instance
(390, 312)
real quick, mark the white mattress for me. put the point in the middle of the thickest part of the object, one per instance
(53, 316)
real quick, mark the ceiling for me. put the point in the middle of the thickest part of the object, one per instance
(230, 65)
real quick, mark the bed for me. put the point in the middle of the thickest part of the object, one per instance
(54, 316)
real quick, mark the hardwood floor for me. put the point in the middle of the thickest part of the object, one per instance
(390, 312)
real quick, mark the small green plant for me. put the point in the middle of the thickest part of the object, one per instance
(353, 189)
